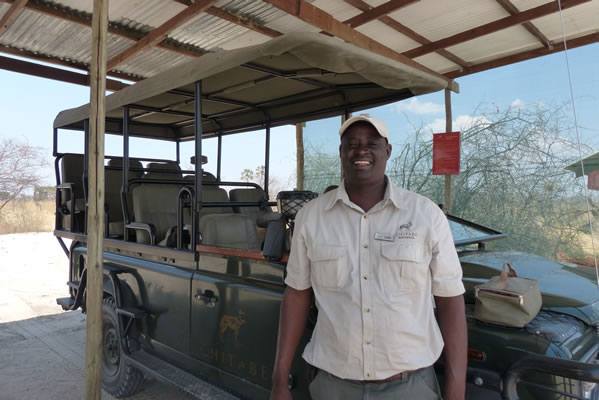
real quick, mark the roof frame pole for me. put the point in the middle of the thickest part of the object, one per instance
(299, 157)
(267, 160)
(219, 155)
(55, 142)
(178, 152)
(95, 238)
(125, 183)
(198, 130)
(85, 177)
(448, 128)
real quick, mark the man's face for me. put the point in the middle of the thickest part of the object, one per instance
(364, 154)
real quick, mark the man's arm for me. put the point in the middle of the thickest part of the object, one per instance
(451, 316)
(292, 322)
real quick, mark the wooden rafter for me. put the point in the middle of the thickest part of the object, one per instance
(503, 23)
(58, 61)
(160, 33)
(315, 16)
(85, 19)
(57, 74)
(377, 12)
(241, 21)
(392, 23)
(9, 17)
(529, 26)
(555, 47)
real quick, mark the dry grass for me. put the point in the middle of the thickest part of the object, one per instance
(27, 216)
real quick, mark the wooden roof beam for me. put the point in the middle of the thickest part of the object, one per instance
(9, 17)
(57, 74)
(529, 26)
(503, 23)
(160, 33)
(377, 12)
(237, 20)
(392, 23)
(58, 61)
(315, 16)
(84, 19)
(556, 47)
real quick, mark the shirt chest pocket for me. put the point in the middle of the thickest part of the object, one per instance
(329, 269)
(404, 267)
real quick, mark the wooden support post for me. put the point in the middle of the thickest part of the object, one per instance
(448, 128)
(95, 216)
(299, 142)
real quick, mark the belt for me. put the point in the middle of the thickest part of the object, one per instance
(402, 376)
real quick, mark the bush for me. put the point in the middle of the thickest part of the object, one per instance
(26, 215)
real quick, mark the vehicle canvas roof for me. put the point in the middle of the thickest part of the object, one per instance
(293, 78)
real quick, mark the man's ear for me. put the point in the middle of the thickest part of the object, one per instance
(388, 150)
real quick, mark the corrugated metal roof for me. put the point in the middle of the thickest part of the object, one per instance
(68, 38)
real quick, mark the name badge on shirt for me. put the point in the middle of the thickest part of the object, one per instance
(387, 237)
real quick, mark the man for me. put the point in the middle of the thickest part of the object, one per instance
(373, 256)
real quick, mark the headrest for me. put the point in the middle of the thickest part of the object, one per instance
(118, 162)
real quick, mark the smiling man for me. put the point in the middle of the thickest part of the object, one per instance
(374, 257)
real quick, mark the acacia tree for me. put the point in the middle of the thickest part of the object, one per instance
(21, 166)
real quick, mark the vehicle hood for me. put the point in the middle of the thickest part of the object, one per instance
(566, 288)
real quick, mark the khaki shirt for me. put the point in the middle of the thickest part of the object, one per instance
(374, 275)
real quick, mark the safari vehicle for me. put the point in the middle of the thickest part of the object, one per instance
(193, 273)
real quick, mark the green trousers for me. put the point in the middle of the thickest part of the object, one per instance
(419, 385)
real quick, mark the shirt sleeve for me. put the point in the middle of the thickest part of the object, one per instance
(298, 266)
(445, 266)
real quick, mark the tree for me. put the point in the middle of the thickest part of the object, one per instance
(20, 168)
(512, 177)
(257, 177)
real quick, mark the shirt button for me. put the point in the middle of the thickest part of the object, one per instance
(365, 216)
(368, 342)
(368, 374)
(367, 310)
(365, 245)
(365, 276)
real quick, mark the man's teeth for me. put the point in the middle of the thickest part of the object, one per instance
(362, 162)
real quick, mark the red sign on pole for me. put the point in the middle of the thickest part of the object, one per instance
(594, 180)
(446, 153)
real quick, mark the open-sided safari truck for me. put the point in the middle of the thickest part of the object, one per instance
(193, 272)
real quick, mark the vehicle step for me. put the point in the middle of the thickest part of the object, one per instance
(66, 303)
(193, 386)
(73, 284)
(131, 312)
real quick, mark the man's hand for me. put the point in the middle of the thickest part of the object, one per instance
(451, 316)
(292, 322)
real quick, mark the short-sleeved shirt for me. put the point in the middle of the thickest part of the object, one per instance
(374, 275)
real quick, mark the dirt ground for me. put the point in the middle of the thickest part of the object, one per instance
(42, 348)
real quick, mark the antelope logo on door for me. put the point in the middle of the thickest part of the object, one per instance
(233, 323)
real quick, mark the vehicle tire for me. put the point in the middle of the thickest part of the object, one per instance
(118, 378)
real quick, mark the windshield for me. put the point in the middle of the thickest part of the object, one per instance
(465, 232)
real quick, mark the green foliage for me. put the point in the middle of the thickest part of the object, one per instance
(320, 169)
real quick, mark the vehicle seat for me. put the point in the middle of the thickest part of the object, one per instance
(155, 204)
(169, 170)
(260, 216)
(113, 182)
(229, 230)
(71, 171)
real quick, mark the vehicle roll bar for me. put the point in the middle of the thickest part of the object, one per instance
(584, 372)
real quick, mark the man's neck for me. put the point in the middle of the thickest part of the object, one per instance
(366, 195)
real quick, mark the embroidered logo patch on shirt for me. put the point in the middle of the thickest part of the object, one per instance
(405, 232)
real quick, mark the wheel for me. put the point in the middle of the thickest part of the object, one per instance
(118, 378)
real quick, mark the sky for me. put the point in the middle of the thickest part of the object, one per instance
(28, 106)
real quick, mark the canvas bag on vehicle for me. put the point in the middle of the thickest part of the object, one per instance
(507, 299)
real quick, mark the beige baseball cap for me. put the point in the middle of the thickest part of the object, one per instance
(379, 125)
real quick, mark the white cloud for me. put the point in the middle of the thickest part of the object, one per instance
(416, 107)
(461, 123)
(517, 104)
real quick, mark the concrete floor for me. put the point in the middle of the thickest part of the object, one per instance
(42, 349)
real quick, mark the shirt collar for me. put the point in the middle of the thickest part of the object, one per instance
(392, 194)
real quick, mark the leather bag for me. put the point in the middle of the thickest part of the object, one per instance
(507, 299)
